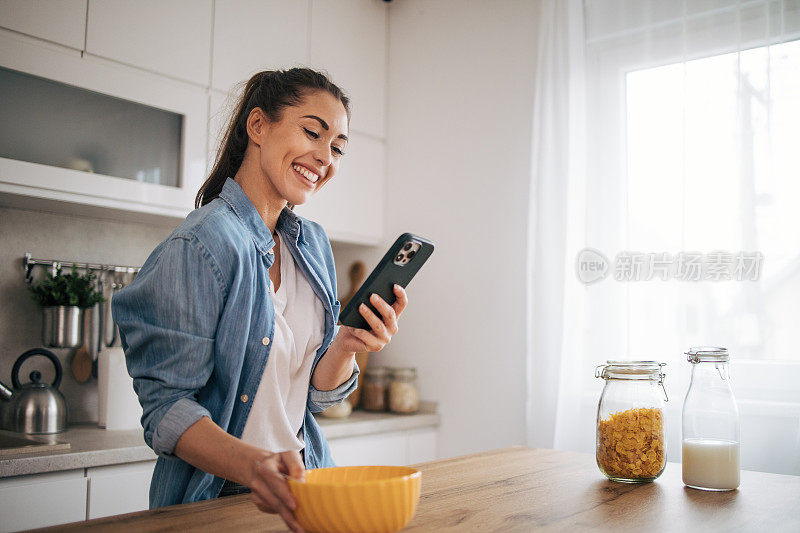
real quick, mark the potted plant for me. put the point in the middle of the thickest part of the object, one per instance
(63, 298)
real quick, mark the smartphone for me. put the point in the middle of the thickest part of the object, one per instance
(403, 260)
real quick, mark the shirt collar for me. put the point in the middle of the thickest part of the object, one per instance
(289, 223)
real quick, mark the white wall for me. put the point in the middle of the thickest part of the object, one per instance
(459, 121)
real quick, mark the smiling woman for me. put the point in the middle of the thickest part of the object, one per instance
(230, 328)
(269, 106)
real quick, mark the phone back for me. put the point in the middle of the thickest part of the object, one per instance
(399, 265)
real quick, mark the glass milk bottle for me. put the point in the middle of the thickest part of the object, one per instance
(710, 423)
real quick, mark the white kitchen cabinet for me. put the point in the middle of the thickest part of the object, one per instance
(172, 38)
(40, 186)
(395, 449)
(221, 107)
(58, 21)
(119, 489)
(348, 39)
(42, 500)
(351, 206)
(255, 35)
(423, 446)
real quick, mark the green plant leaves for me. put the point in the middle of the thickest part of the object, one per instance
(71, 289)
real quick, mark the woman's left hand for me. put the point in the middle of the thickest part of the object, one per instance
(360, 340)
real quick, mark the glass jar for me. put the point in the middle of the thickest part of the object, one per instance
(710, 443)
(403, 395)
(376, 383)
(630, 421)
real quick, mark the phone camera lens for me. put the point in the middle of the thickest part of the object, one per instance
(407, 247)
(411, 254)
(399, 257)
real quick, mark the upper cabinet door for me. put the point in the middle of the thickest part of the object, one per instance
(59, 21)
(351, 205)
(172, 38)
(255, 35)
(348, 39)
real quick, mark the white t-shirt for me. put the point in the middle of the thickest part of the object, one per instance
(276, 417)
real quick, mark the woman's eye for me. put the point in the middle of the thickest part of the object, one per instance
(311, 134)
(338, 151)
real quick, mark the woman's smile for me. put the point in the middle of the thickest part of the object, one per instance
(305, 175)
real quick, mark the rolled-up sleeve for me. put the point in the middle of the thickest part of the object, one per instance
(167, 321)
(320, 400)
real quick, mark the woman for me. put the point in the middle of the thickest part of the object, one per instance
(229, 328)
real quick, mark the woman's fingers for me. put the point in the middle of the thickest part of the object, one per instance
(292, 464)
(402, 300)
(262, 504)
(278, 485)
(378, 328)
(389, 316)
(272, 492)
(372, 343)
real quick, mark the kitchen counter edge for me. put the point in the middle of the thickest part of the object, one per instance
(92, 446)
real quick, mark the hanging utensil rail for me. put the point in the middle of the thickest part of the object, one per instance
(54, 264)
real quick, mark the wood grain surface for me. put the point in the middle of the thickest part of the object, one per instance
(525, 489)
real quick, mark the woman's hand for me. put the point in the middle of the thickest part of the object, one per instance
(269, 488)
(337, 364)
(360, 340)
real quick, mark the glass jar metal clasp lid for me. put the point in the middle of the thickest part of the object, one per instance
(633, 370)
(714, 354)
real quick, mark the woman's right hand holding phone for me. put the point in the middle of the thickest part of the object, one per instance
(269, 486)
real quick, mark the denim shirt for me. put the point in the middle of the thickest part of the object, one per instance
(196, 325)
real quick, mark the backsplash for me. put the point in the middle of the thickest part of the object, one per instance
(82, 239)
(69, 238)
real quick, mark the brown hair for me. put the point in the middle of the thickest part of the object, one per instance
(272, 91)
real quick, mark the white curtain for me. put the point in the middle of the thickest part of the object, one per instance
(666, 137)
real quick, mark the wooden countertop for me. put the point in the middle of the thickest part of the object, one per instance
(522, 489)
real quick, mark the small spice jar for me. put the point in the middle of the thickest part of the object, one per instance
(376, 384)
(630, 421)
(403, 395)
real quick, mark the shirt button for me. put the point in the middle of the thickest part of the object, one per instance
(244, 398)
(270, 252)
(265, 341)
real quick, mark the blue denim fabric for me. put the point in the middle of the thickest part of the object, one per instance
(192, 325)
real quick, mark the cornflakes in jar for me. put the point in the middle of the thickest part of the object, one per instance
(630, 421)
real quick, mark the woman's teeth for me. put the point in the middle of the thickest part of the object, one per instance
(307, 173)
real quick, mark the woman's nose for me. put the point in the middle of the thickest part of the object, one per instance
(323, 157)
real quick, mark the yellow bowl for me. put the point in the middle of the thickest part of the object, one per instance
(356, 498)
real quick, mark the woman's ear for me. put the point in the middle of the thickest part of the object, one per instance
(257, 125)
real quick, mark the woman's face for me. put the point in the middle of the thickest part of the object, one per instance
(302, 151)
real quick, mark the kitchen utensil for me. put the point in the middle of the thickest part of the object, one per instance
(13, 444)
(357, 273)
(62, 326)
(117, 406)
(356, 498)
(82, 360)
(118, 283)
(95, 323)
(34, 407)
(109, 333)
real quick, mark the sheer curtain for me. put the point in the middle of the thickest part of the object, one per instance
(666, 142)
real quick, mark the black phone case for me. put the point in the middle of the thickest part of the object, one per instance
(382, 279)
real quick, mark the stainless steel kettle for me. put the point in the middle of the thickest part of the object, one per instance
(35, 407)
